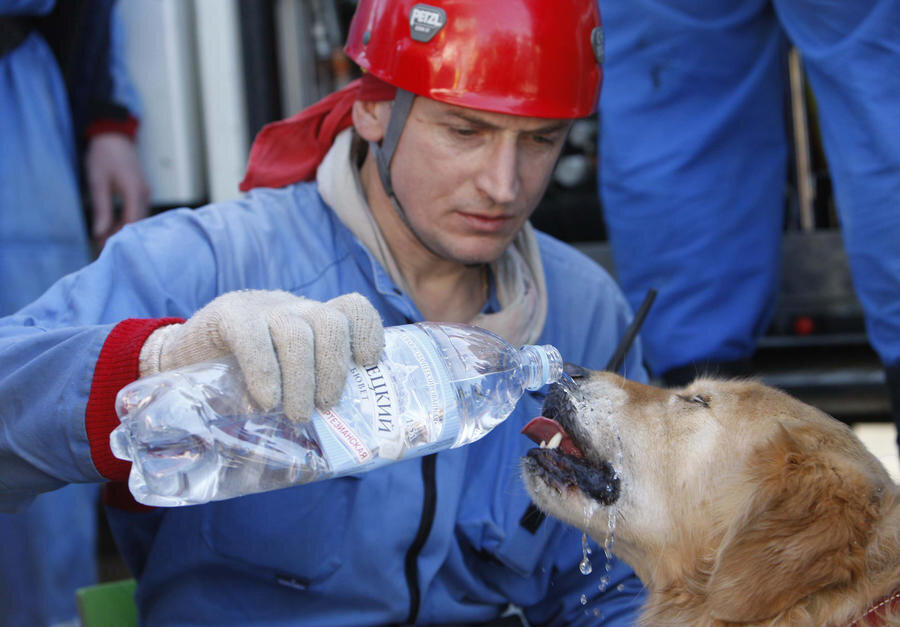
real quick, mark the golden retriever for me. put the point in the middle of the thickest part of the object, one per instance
(734, 502)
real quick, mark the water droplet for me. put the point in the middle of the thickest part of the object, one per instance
(620, 587)
(585, 567)
(596, 611)
(610, 533)
(604, 583)
(608, 567)
(584, 599)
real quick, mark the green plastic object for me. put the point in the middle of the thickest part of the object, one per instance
(108, 604)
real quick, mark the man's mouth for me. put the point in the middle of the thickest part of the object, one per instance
(562, 464)
(487, 223)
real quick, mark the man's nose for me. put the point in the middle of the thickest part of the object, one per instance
(499, 176)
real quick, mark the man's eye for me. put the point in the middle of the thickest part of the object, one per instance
(465, 132)
(546, 140)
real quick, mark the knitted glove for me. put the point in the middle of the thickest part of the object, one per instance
(292, 351)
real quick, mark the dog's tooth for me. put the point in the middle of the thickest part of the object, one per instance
(555, 440)
(543, 444)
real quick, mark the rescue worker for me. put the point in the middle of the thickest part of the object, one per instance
(65, 102)
(694, 156)
(425, 172)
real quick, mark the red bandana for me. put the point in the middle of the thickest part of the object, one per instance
(289, 151)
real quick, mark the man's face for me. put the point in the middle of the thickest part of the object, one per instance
(468, 180)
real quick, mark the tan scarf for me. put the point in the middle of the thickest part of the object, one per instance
(518, 273)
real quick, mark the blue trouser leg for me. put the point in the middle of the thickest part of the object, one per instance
(693, 158)
(668, 161)
(42, 230)
(48, 552)
(851, 52)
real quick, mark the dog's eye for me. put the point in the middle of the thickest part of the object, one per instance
(697, 399)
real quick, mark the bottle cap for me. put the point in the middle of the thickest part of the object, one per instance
(546, 365)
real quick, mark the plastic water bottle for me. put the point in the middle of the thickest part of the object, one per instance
(194, 434)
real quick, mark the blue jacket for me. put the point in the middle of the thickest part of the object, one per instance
(67, 76)
(437, 539)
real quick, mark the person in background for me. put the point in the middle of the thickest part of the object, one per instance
(64, 104)
(403, 197)
(693, 157)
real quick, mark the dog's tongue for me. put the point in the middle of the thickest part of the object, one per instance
(543, 429)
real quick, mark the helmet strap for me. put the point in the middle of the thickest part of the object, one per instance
(384, 153)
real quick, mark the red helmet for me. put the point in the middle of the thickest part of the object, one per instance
(536, 58)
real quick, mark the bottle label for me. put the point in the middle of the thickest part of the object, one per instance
(349, 438)
(381, 403)
(402, 407)
(433, 424)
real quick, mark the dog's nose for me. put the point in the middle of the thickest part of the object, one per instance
(575, 371)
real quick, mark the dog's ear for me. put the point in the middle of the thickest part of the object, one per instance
(804, 528)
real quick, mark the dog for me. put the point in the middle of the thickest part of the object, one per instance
(733, 502)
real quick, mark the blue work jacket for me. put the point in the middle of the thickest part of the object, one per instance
(449, 538)
(53, 87)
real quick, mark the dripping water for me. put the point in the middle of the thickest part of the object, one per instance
(583, 408)
(567, 383)
(585, 566)
(610, 534)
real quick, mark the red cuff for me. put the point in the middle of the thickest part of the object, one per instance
(117, 366)
(126, 127)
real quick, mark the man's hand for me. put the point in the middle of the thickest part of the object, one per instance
(292, 351)
(113, 169)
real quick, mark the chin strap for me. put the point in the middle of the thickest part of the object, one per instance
(878, 614)
(384, 151)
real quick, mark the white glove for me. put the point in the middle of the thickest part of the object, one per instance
(291, 350)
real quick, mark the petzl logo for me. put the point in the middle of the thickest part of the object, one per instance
(425, 21)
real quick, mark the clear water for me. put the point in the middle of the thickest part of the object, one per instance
(610, 533)
(590, 411)
(195, 435)
(585, 565)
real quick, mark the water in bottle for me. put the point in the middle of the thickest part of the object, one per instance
(194, 435)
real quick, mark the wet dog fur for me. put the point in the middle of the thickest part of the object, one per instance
(734, 502)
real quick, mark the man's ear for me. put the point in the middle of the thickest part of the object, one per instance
(370, 119)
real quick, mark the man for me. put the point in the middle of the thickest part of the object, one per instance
(65, 101)
(420, 209)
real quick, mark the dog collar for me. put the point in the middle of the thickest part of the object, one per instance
(876, 616)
